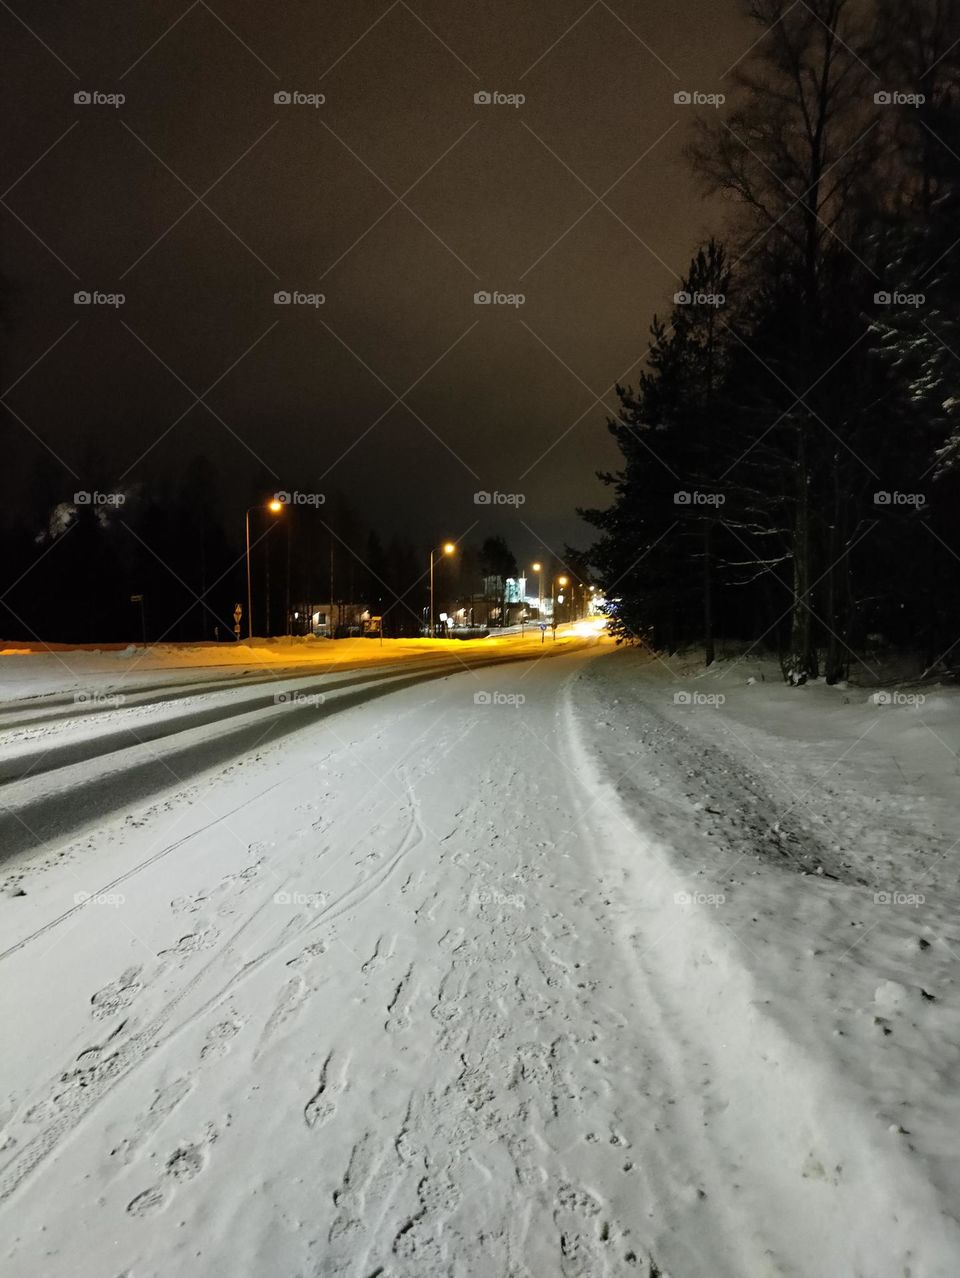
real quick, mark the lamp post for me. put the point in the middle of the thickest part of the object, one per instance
(275, 506)
(561, 582)
(538, 568)
(448, 548)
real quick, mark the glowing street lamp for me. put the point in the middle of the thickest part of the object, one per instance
(448, 548)
(556, 598)
(538, 568)
(274, 506)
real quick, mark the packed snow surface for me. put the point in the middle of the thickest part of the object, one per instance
(527, 960)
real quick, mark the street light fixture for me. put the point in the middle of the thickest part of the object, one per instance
(555, 599)
(448, 548)
(538, 568)
(275, 506)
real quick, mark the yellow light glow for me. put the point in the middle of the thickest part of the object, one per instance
(536, 567)
(562, 580)
(275, 506)
(449, 548)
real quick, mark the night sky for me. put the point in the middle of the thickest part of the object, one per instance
(397, 199)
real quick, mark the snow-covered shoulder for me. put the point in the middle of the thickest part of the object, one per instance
(795, 895)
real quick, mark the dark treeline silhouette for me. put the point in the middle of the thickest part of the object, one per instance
(790, 454)
(104, 563)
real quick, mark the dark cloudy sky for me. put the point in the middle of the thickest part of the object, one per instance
(398, 199)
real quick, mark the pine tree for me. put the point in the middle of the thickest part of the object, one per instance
(664, 518)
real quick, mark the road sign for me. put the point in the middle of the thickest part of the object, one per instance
(237, 614)
(136, 598)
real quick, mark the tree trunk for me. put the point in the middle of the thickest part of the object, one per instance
(802, 661)
(836, 661)
(708, 644)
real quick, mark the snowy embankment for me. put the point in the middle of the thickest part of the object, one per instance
(798, 904)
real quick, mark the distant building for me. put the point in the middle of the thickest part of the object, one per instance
(486, 611)
(334, 621)
(516, 590)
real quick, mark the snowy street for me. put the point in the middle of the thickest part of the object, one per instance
(480, 639)
(324, 1013)
(413, 990)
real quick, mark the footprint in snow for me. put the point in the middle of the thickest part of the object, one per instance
(164, 1103)
(119, 994)
(192, 943)
(188, 904)
(322, 1104)
(438, 1193)
(218, 1039)
(186, 1162)
(290, 998)
(149, 1202)
(308, 954)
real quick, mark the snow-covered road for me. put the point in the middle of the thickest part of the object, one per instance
(351, 1003)
(387, 994)
(77, 757)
